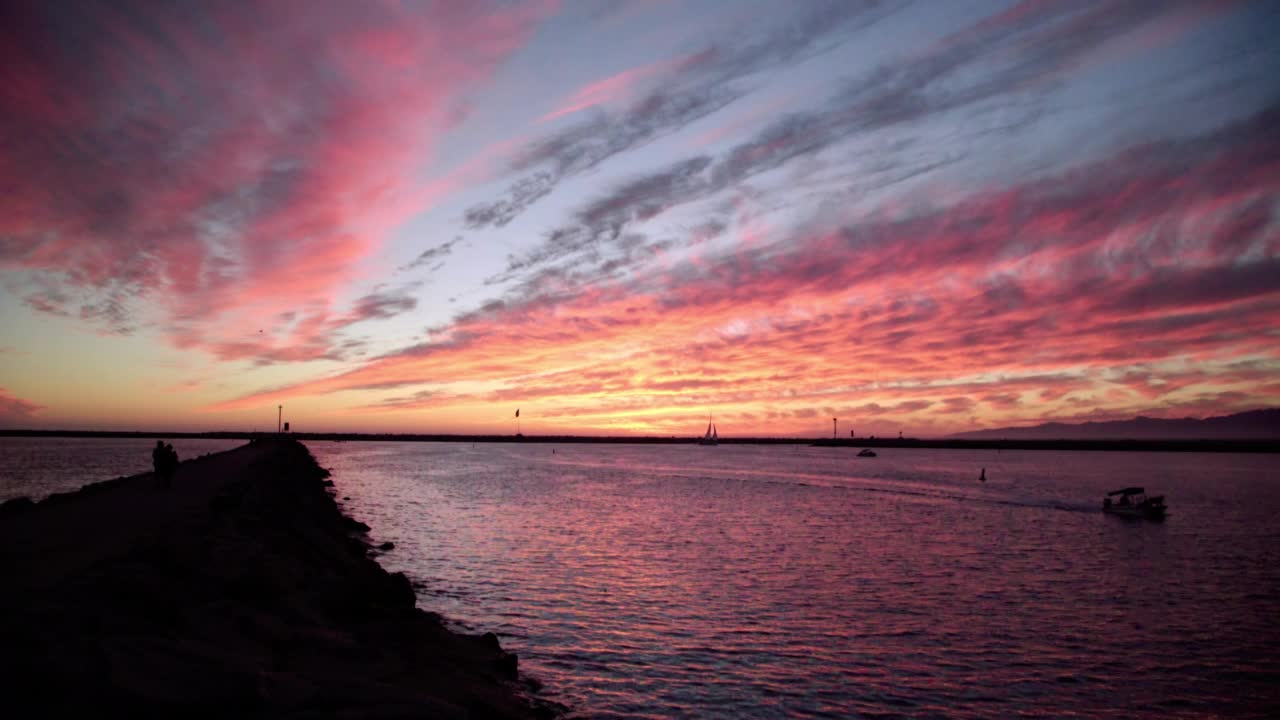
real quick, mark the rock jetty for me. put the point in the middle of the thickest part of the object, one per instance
(241, 591)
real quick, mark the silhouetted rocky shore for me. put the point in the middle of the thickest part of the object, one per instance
(241, 591)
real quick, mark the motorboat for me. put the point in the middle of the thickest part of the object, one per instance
(867, 452)
(1134, 502)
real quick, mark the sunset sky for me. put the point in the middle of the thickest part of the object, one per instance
(621, 217)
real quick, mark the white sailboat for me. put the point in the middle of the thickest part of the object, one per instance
(711, 438)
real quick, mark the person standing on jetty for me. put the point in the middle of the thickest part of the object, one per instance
(158, 461)
(165, 460)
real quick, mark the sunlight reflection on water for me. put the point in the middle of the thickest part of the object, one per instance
(757, 581)
(751, 581)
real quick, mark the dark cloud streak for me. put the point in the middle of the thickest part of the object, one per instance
(999, 59)
(707, 81)
(433, 255)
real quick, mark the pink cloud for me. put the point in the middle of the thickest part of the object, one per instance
(1038, 290)
(619, 86)
(232, 172)
(15, 411)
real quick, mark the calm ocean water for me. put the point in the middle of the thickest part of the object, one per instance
(38, 467)
(751, 581)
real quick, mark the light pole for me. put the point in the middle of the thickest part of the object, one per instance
(279, 417)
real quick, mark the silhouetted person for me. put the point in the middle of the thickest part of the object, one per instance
(158, 457)
(170, 464)
(983, 475)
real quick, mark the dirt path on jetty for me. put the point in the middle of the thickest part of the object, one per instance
(239, 591)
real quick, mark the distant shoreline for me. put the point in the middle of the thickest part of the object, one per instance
(1131, 445)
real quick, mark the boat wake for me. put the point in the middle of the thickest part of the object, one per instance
(946, 488)
(940, 492)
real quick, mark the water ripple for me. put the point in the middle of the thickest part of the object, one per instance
(641, 581)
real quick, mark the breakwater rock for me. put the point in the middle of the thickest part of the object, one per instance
(240, 591)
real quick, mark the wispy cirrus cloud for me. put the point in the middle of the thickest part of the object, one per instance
(223, 163)
(703, 82)
(14, 411)
(433, 257)
(1037, 291)
(614, 88)
(1005, 61)
(380, 305)
(413, 401)
(311, 333)
(858, 209)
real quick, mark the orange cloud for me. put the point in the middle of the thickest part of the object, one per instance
(1034, 293)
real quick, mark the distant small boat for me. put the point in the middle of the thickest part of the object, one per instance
(711, 438)
(1134, 503)
(867, 452)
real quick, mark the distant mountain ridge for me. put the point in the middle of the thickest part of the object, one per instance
(1252, 425)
